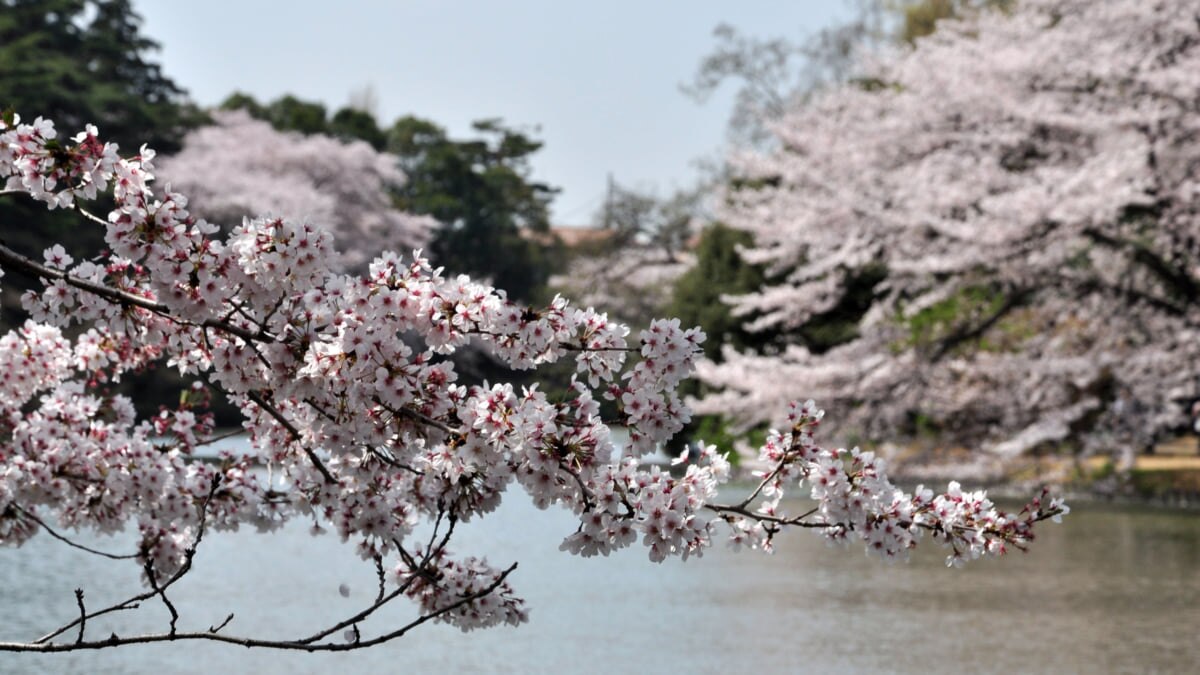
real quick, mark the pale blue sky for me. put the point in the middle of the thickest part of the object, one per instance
(600, 79)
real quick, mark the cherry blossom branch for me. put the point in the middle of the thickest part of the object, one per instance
(380, 600)
(383, 455)
(573, 347)
(134, 601)
(1175, 277)
(584, 493)
(212, 635)
(962, 334)
(417, 416)
(152, 577)
(800, 520)
(114, 295)
(1136, 295)
(797, 521)
(327, 369)
(274, 412)
(761, 485)
(566, 346)
(220, 437)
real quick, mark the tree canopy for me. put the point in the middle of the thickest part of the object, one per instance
(495, 219)
(83, 61)
(639, 248)
(1027, 180)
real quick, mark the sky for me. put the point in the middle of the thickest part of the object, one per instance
(598, 81)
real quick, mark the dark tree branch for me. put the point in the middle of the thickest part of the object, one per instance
(153, 578)
(1176, 279)
(135, 601)
(271, 410)
(1135, 295)
(82, 614)
(115, 295)
(218, 627)
(56, 535)
(417, 416)
(298, 645)
(798, 521)
(963, 334)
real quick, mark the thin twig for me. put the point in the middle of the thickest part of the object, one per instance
(49, 530)
(153, 578)
(417, 416)
(380, 600)
(385, 456)
(135, 601)
(798, 521)
(220, 437)
(82, 614)
(214, 629)
(381, 576)
(588, 502)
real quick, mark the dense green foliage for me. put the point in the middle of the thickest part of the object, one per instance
(718, 271)
(721, 271)
(495, 220)
(920, 18)
(79, 62)
(984, 318)
(354, 123)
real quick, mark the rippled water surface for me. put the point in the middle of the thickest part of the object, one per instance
(1109, 590)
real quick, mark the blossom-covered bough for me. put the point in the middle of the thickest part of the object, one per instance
(359, 430)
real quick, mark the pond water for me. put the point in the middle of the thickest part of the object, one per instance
(1109, 590)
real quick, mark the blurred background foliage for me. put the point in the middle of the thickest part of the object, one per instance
(80, 61)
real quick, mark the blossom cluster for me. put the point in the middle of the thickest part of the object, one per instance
(855, 499)
(448, 582)
(349, 400)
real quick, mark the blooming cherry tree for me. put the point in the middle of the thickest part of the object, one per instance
(1029, 179)
(242, 165)
(364, 432)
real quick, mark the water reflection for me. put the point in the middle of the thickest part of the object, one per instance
(1110, 590)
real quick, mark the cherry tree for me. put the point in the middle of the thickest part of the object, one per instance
(363, 432)
(1029, 180)
(241, 165)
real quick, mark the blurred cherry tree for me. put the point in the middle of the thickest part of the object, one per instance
(242, 166)
(1027, 181)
